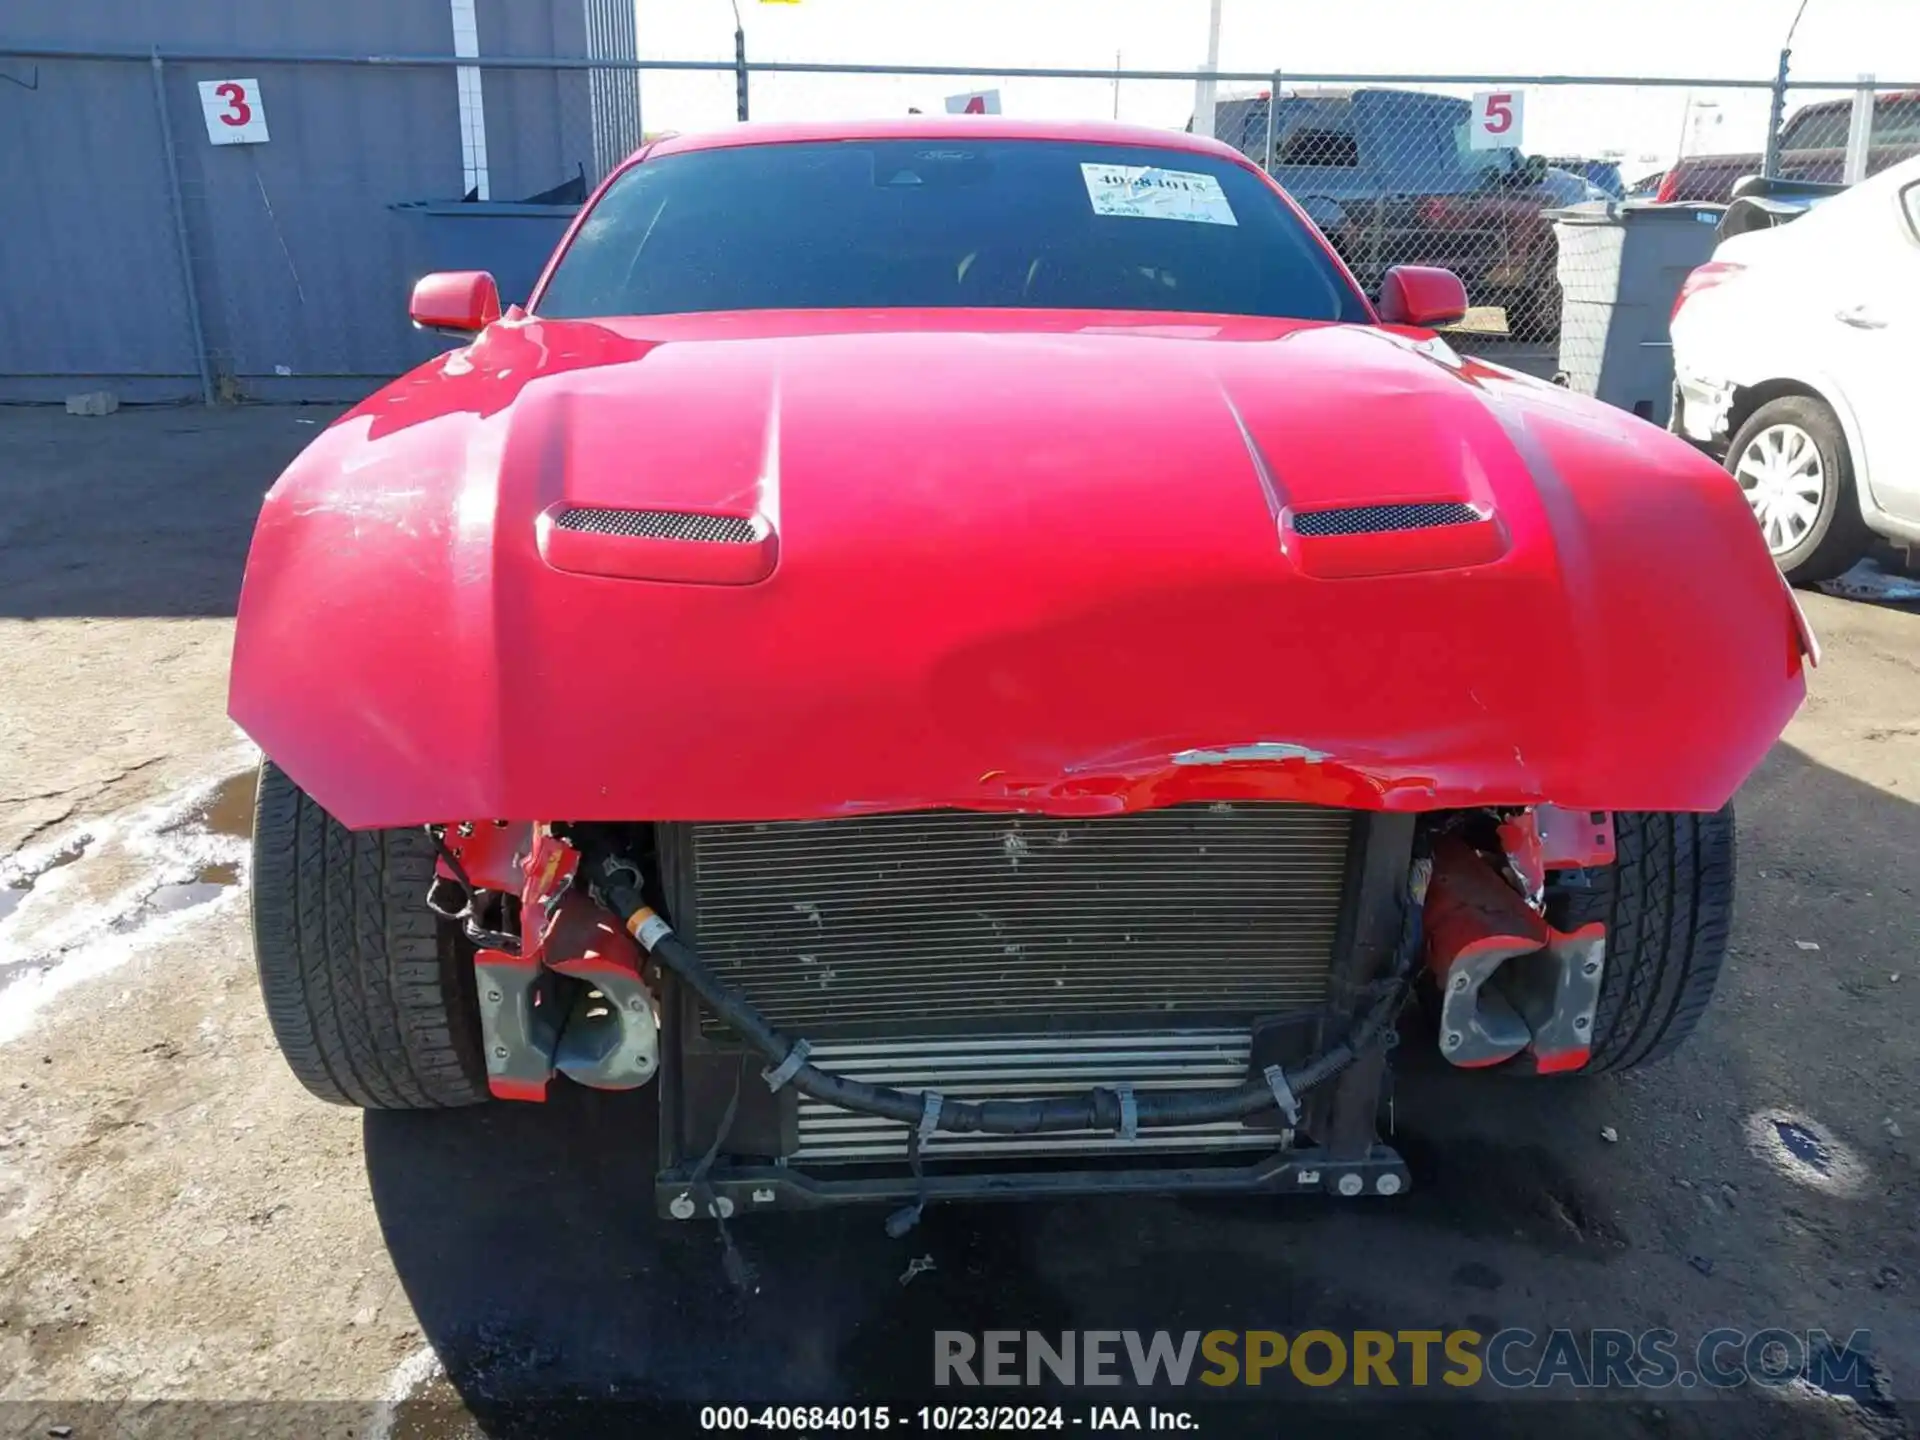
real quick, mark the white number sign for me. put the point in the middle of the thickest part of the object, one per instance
(233, 112)
(1497, 117)
(974, 102)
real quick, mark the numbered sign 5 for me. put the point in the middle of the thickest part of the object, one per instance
(1497, 119)
(233, 112)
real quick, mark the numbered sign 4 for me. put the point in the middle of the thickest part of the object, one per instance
(974, 102)
(1498, 116)
(233, 112)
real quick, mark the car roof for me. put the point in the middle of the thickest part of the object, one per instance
(1335, 92)
(946, 127)
(1883, 97)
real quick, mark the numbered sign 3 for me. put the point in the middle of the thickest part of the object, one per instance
(1497, 118)
(233, 112)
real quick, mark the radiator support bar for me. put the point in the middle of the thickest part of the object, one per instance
(739, 1189)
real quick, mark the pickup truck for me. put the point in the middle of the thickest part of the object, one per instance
(1389, 178)
(1813, 146)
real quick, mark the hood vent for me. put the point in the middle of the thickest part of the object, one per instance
(1374, 519)
(660, 525)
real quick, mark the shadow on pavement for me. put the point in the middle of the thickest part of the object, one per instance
(145, 512)
(526, 1241)
(527, 1244)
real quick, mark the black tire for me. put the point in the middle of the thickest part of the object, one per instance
(1667, 903)
(369, 993)
(1533, 314)
(1839, 536)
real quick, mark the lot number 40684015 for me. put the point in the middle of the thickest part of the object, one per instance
(1497, 118)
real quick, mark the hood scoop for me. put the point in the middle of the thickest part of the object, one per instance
(690, 546)
(1349, 542)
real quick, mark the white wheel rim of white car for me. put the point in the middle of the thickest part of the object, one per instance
(1784, 482)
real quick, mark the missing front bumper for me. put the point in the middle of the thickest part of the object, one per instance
(755, 1148)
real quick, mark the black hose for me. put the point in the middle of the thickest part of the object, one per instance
(1096, 1109)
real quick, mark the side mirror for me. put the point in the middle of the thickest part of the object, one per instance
(1422, 295)
(455, 302)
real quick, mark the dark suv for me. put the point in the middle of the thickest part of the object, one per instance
(1388, 175)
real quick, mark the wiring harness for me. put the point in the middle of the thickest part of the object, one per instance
(616, 882)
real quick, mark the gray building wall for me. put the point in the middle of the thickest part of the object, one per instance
(91, 288)
(300, 262)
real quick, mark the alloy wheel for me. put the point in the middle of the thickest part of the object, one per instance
(1782, 476)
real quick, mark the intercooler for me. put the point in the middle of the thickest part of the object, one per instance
(1011, 1066)
(1006, 955)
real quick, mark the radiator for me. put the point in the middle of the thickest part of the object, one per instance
(953, 921)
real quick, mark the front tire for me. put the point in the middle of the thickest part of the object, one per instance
(369, 993)
(1667, 903)
(1791, 462)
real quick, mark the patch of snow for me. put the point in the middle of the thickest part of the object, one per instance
(58, 937)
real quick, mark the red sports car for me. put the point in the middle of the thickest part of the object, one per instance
(969, 656)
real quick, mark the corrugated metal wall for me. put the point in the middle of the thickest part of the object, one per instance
(301, 264)
(91, 287)
(615, 94)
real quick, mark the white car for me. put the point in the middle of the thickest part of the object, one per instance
(1796, 353)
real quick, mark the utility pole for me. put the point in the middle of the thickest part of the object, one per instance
(1206, 91)
(1777, 114)
(739, 64)
(1116, 84)
(1859, 132)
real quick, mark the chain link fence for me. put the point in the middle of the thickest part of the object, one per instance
(1464, 177)
(1468, 175)
(304, 250)
(1818, 128)
(144, 253)
(92, 287)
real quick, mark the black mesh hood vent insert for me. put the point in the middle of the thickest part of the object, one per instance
(1375, 519)
(660, 525)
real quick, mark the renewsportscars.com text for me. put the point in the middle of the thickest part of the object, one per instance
(1508, 1359)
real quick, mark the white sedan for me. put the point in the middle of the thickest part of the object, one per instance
(1796, 352)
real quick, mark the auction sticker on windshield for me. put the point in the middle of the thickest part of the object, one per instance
(1148, 193)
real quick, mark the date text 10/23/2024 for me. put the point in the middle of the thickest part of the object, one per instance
(941, 1419)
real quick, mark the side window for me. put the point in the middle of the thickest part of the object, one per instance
(1243, 125)
(1818, 127)
(1321, 148)
(1501, 160)
(1896, 120)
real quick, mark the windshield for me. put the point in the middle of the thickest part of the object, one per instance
(863, 224)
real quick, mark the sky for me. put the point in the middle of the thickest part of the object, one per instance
(1645, 126)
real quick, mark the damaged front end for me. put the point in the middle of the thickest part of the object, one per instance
(958, 1005)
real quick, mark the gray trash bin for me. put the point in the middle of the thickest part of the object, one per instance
(509, 239)
(1621, 268)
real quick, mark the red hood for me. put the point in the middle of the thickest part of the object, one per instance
(1038, 561)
